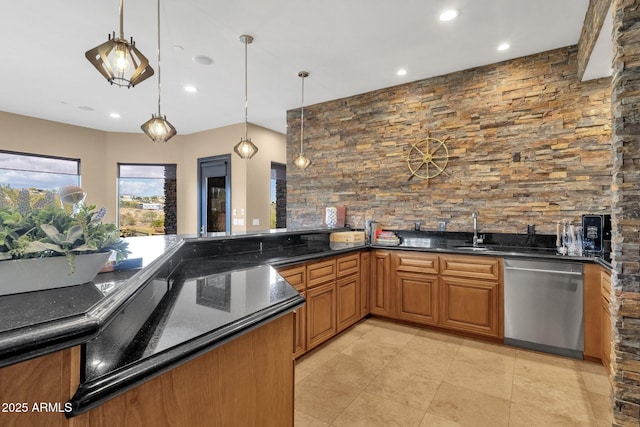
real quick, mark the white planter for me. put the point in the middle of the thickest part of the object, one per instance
(36, 274)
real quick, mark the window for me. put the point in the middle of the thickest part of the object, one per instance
(278, 195)
(31, 181)
(147, 199)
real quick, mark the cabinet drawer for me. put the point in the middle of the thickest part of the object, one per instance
(470, 266)
(295, 276)
(321, 272)
(416, 262)
(348, 264)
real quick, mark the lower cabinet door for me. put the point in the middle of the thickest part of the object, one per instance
(300, 329)
(321, 314)
(471, 306)
(417, 297)
(348, 301)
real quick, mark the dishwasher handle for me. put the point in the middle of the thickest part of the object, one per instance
(542, 270)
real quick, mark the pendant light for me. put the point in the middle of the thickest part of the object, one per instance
(118, 60)
(245, 148)
(158, 127)
(302, 161)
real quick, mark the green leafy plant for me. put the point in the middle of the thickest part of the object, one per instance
(52, 231)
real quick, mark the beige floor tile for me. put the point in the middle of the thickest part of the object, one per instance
(321, 400)
(482, 377)
(597, 383)
(593, 367)
(427, 356)
(550, 370)
(550, 359)
(303, 420)
(404, 387)
(523, 415)
(552, 397)
(430, 420)
(346, 370)
(468, 407)
(316, 358)
(368, 410)
(602, 409)
(375, 354)
(390, 333)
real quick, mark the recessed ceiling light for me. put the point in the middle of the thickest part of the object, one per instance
(85, 108)
(504, 46)
(202, 60)
(401, 72)
(190, 88)
(114, 115)
(450, 14)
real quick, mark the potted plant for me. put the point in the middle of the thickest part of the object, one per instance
(65, 241)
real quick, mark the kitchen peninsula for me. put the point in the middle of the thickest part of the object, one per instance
(207, 321)
(209, 324)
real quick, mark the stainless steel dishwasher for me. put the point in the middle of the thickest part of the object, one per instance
(543, 306)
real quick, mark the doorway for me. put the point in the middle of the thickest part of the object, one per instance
(214, 194)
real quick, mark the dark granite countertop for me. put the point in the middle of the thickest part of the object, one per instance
(192, 294)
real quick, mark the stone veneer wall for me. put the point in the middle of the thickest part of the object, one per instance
(528, 144)
(625, 106)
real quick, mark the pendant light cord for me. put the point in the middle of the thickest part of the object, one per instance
(302, 117)
(121, 19)
(159, 85)
(246, 90)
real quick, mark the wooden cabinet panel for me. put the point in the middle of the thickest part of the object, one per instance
(365, 276)
(348, 264)
(321, 314)
(471, 266)
(295, 276)
(348, 300)
(592, 311)
(417, 297)
(416, 262)
(471, 306)
(381, 283)
(300, 330)
(321, 272)
(52, 379)
(607, 347)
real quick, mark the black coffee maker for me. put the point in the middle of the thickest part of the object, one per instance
(596, 234)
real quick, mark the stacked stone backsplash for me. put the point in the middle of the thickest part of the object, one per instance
(528, 144)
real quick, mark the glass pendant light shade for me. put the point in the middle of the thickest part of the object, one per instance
(119, 61)
(245, 148)
(302, 161)
(158, 128)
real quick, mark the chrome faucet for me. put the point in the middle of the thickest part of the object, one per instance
(475, 228)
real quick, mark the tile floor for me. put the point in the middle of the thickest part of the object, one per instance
(381, 373)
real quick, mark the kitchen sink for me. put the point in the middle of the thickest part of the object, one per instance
(472, 248)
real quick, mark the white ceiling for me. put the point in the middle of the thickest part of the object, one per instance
(348, 46)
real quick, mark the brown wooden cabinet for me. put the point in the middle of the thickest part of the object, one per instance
(333, 290)
(297, 277)
(607, 345)
(416, 287)
(321, 314)
(592, 312)
(348, 290)
(417, 298)
(471, 297)
(365, 277)
(381, 283)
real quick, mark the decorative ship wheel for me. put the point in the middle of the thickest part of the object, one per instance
(428, 158)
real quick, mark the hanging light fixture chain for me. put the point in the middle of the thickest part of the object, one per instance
(246, 88)
(303, 75)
